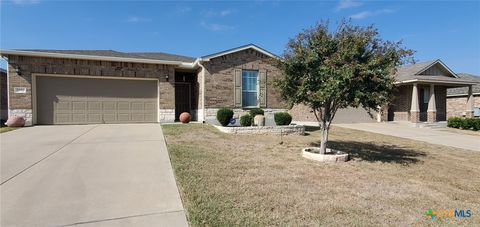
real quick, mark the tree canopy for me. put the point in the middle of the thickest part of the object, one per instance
(329, 70)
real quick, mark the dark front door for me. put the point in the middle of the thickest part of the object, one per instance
(182, 99)
(424, 97)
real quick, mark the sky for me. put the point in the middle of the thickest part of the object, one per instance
(446, 30)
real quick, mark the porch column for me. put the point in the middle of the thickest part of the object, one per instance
(469, 112)
(432, 106)
(414, 108)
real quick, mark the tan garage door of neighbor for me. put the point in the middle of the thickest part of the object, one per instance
(62, 100)
(354, 115)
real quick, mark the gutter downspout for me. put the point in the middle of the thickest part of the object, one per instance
(202, 74)
(203, 91)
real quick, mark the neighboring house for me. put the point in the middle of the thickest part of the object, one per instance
(421, 96)
(4, 95)
(457, 97)
(104, 86)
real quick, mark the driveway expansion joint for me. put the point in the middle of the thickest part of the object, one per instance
(47, 156)
(123, 217)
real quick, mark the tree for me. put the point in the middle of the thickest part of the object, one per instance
(329, 70)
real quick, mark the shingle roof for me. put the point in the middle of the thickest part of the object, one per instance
(408, 72)
(411, 73)
(464, 90)
(164, 56)
(112, 53)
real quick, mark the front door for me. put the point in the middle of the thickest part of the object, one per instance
(423, 103)
(182, 99)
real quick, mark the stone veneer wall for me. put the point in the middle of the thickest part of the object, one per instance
(21, 104)
(457, 105)
(274, 130)
(219, 78)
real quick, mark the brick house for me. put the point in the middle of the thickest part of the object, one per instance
(104, 86)
(420, 96)
(457, 97)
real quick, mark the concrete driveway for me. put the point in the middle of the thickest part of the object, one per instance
(93, 175)
(429, 135)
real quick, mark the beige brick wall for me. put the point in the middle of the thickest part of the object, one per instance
(30, 65)
(219, 75)
(402, 100)
(456, 106)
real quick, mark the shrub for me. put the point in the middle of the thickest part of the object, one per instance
(476, 124)
(282, 118)
(256, 111)
(246, 120)
(455, 122)
(224, 115)
(464, 123)
(468, 123)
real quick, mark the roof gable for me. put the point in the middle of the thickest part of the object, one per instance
(436, 68)
(238, 49)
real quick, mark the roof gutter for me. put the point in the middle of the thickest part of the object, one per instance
(90, 57)
(461, 82)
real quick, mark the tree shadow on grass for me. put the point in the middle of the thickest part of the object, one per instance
(376, 153)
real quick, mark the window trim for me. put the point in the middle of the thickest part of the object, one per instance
(257, 89)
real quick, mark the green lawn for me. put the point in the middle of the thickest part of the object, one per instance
(7, 129)
(252, 180)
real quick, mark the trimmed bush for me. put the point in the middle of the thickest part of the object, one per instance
(256, 111)
(454, 122)
(224, 115)
(476, 125)
(282, 118)
(468, 123)
(246, 120)
(464, 123)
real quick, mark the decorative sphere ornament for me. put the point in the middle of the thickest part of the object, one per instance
(185, 117)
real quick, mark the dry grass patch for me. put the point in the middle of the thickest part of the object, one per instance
(7, 129)
(254, 180)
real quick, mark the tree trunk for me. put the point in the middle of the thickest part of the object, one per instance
(324, 140)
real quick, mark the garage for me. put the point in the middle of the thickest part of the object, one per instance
(302, 113)
(354, 115)
(72, 100)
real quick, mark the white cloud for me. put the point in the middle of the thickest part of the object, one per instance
(369, 13)
(135, 19)
(345, 4)
(221, 13)
(25, 2)
(215, 27)
(183, 9)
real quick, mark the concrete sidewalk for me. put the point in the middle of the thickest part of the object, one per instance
(429, 135)
(93, 175)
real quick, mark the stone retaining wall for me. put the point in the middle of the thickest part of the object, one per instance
(273, 130)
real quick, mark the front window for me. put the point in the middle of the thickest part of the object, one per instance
(249, 88)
